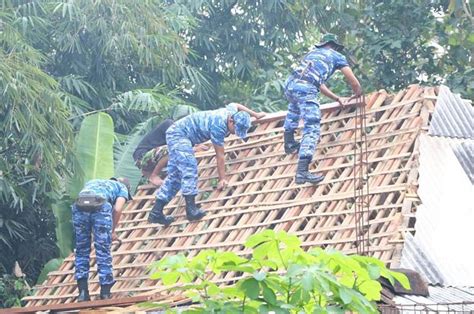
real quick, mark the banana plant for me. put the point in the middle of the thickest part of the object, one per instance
(94, 150)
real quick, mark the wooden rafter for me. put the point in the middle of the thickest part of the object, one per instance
(262, 194)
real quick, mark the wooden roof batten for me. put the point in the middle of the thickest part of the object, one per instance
(262, 194)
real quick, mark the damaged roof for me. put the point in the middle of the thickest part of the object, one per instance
(262, 194)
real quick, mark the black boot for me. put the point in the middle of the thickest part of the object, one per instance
(156, 215)
(83, 290)
(105, 291)
(303, 175)
(192, 211)
(291, 145)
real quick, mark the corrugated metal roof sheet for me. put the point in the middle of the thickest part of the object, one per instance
(453, 116)
(465, 154)
(445, 219)
(415, 258)
(440, 299)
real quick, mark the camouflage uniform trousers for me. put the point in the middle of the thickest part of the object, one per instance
(100, 224)
(182, 168)
(302, 97)
(151, 158)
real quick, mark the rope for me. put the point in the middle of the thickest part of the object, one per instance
(361, 177)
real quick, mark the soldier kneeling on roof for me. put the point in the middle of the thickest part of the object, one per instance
(97, 210)
(194, 129)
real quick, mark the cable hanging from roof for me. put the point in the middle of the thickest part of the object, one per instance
(361, 177)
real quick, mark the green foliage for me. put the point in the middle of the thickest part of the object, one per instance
(51, 265)
(123, 155)
(135, 60)
(395, 44)
(35, 144)
(64, 229)
(12, 290)
(132, 108)
(455, 32)
(118, 46)
(94, 150)
(279, 277)
(238, 44)
(390, 50)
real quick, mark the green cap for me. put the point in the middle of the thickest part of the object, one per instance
(330, 38)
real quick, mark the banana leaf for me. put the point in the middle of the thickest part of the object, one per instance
(124, 163)
(94, 150)
(52, 265)
(64, 228)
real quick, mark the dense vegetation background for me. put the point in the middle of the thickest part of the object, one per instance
(133, 59)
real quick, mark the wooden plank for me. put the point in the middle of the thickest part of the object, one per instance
(78, 305)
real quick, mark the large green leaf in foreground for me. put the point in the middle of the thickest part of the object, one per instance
(94, 150)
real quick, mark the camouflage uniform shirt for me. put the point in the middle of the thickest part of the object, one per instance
(202, 126)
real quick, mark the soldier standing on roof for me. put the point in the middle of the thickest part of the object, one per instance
(197, 128)
(97, 210)
(302, 89)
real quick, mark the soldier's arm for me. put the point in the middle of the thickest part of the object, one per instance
(327, 92)
(117, 212)
(160, 165)
(220, 166)
(352, 80)
(256, 115)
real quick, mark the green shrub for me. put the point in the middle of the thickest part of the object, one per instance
(280, 277)
(12, 290)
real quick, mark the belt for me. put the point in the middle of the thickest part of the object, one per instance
(306, 78)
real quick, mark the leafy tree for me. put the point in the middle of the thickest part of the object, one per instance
(390, 50)
(106, 48)
(279, 277)
(394, 44)
(133, 59)
(247, 48)
(240, 44)
(35, 144)
(455, 32)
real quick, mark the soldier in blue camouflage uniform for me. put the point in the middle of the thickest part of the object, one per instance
(302, 90)
(101, 222)
(182, 165)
